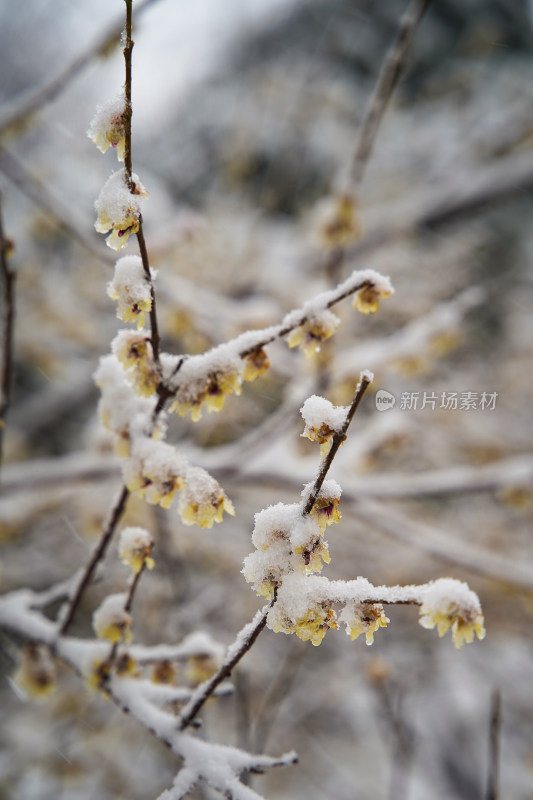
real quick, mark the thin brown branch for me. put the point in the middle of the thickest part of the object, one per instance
(240, 647)
(389, 75)
(493, 779)
(127, 50)
(134, 582)
(155, 338)
(98, 554)
(8, 321)
(337, 440)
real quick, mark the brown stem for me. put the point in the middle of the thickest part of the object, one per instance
(98, 554)
(337, 439)
(8, 301)
(155, 338)
(127, 607)
(389, 75)
(493, 790)
(207, 689)
(128, 48)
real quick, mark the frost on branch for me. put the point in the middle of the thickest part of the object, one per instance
(118, 208)
(131, 289)
(108, 126)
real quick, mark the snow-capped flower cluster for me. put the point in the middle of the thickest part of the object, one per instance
(322, 420)
(314, 332)
(134, 548)
(364, 618)
(131, 289)
(202, 502)
(111, 620)
(108, 126)
(451, 604)
(337, 222)
(118, 208)
(206, 380)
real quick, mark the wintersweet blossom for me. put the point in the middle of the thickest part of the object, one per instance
(322, 420)
(156, 471)
(255, 364)
(131, 289)
(314, 332)
(135, 547)
(202, 501)
(450, 604)
(212, 394)
(364, 618)
(134, 351)
(118, 208)
(311, 626)
(108, 126)
(326, 505)
(111, 620)
(337, 221)
(367, 299)
(36, 673)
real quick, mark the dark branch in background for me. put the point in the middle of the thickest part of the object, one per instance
(97, 556)
(493, 780)
(8, 309)
(134, 582)
(15, 112)
(389, 75)
(337, 439)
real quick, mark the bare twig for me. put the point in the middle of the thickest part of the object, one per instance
(337, 439)
(493, 780)
(97, 556)
(389, 75)
(245, 639)
(8, 308)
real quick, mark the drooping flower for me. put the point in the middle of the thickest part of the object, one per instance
(316, 330)
(326, 505)
(212, 394)
(364, 618)
(202, 501)
(134, 351)
(111, 620)
(156, 471)
(322, 420)
(367, 299)
(108, 126)
(450, 604)
(131, 289)
(338, 224)
(118, 209)
(36, 673)
(255, 364)
(312, 626)
(135, 547)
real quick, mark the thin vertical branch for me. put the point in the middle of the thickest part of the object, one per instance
(8, 302)
(389, 75)
(338, 438)
(97, 556)
(493, 779)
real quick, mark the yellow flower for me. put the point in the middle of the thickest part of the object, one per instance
(339, 226)
(164, 672)
(135, 547)
(111, 620)
(367, 298)
(326, 510)
(463, 623)
(207, 512)
(364, 618)
(118, 209)
(131, 289)
(314, 557)
(108, 127)
(134, 351)
(200, 668)
(313, 332)
(36, 673)
(255, 364)
(212, 394)
(314, 625)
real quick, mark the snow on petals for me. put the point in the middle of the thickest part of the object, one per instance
(118, 208)
(450, 604)
(322, 420)
(134, 548)
(315, 330)
(111, 620)
(131, 289)
(108, 126)
(202, 502)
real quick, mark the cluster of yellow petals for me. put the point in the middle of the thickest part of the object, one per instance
(205, 514)
(313, 333)
(134, 352)
(36, 673)
(340, 225)
(365, 618)
(367, 299)
(311, 627)
(212, 396)
(255, 364)
(326, 510)
(463, 623)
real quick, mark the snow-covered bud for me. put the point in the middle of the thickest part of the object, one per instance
(108, 127)
(156, 471)
(295, 612)
(131, 289)
(118, 209)
(134, 549)
(367, 299)
(111, 620)
(322, 419)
